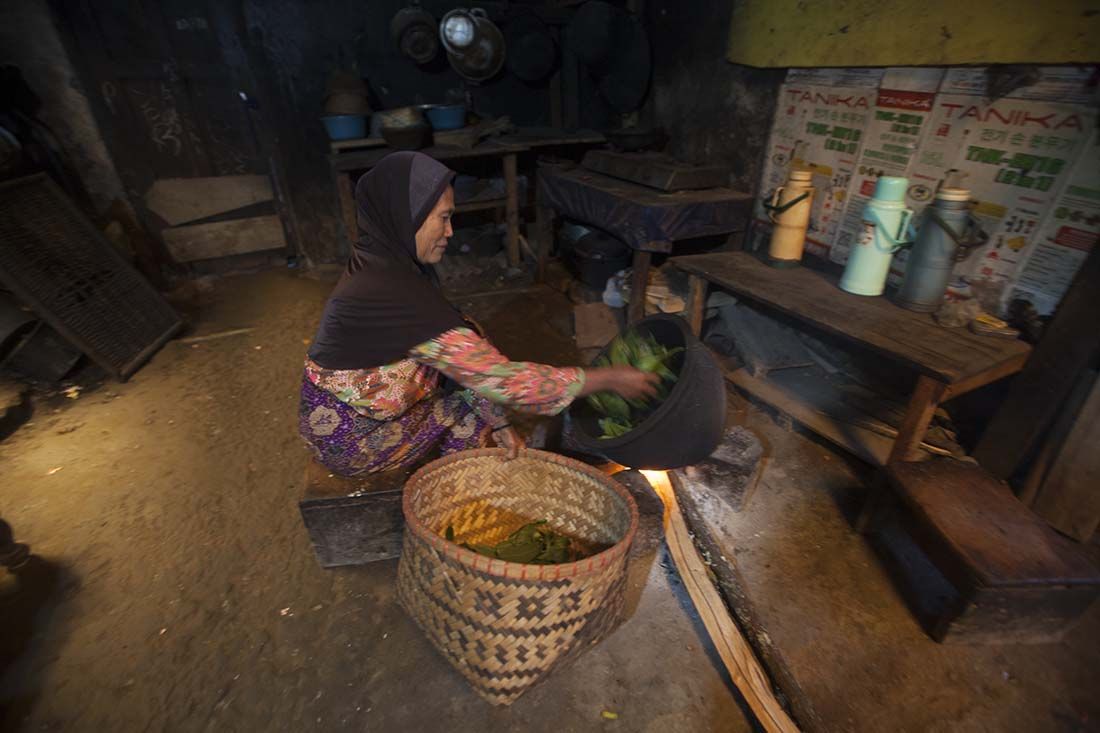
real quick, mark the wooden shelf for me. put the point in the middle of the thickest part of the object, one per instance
(809, 399)
(337, 146)
(481, 205)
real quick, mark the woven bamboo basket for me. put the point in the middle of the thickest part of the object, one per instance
(505, 626)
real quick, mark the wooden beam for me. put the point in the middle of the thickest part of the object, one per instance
(1069, 345)
(736, 653)
(698, 514)
(1069, 499)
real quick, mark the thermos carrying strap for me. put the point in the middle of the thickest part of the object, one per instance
(774, 211)
(976, 239)
(905, 228)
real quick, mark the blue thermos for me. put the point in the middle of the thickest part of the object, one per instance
(885, 225)
(940, 242)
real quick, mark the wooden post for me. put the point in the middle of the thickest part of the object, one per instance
(512, 209)
(697, 302)
(347, 206)
(639, 281)
(544, 230)
(922, 405)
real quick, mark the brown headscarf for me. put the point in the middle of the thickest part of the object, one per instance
(387, 301)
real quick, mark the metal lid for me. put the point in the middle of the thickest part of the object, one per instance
(802, 175)
(953, 194)
(891, 188)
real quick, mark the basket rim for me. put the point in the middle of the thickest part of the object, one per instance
(514, 570)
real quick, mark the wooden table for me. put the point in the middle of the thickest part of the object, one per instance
(347, 166)
(949, 362)
(645, 219)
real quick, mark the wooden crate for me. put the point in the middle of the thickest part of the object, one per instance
(353, 520)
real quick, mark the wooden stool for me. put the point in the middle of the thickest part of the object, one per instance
(1018, 580)
(353, 520)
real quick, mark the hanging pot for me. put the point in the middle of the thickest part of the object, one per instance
(413, 30)
(532, 52)
(474, 44)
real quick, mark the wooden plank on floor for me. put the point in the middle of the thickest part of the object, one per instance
(701, 520)
(180, 200)
(224, 238)
(736, 653)
(1069, 499)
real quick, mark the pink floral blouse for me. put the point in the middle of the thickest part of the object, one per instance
(386, 392)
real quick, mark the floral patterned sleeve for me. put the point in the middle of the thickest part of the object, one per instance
(474, 363)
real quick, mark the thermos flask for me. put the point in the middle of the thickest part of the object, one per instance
(885, 224)
(937, 249)
(789, 210)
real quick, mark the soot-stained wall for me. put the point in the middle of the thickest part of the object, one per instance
(715, 111)
(299, 43)
(29, 40)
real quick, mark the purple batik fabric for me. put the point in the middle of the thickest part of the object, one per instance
(348, 443)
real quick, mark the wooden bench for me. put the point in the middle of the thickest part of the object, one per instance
(1018, 580)
(353, 520)
(948, 361)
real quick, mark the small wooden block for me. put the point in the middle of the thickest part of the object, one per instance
(730, 474)
(594, 325)
(353, 520)
(1018, 580)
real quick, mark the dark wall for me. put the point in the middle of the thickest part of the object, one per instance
(715, 111)
(296, 44)
(29, 40)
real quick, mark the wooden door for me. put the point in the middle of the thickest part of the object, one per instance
(171, 85)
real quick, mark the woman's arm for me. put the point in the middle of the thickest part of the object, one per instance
(474, 363)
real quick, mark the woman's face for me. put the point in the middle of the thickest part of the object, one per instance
(431, 238)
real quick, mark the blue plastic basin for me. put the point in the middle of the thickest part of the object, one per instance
(345, 127)
(447, 116)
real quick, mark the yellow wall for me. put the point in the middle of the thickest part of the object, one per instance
(771, 33)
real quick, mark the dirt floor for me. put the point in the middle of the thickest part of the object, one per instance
(828, 599)
(174, 587)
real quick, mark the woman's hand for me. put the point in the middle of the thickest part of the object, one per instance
(627, 382)
(509, 439)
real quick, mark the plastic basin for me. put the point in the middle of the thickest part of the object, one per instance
(447, 116)
(345, 127)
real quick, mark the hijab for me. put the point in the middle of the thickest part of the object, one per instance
(387, 301)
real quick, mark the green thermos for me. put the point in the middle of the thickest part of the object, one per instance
(885, 223)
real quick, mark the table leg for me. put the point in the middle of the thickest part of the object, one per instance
(511, 189)
(922, 405)
(639, 281)
(544, 230)
(347, 206)
(697, 301)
